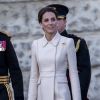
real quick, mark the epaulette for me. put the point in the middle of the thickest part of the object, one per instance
(6, 33)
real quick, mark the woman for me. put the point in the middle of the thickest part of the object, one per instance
(9, 70)
(51, 56)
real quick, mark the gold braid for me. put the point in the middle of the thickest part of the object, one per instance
(5, 81)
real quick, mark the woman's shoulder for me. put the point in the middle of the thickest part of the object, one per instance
(36, 41)
(66, 39)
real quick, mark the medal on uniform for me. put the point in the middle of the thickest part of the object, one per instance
(63, 44)
(2, 45)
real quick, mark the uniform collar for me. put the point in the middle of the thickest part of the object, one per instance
(64, 33)
(54, 41)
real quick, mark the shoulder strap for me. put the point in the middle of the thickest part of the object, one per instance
(78, 45)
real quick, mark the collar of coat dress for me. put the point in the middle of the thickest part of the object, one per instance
(54, 41)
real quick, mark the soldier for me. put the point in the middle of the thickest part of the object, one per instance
(82, 52)
(9, 70)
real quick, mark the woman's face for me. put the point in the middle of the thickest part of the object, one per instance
(49, 22)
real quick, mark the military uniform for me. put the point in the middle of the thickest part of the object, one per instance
(9, 71)
(83, 63)
(82, 53)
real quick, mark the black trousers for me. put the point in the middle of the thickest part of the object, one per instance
(3, 92)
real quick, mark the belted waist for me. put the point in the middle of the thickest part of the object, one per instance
(52, 73)
(4, 79)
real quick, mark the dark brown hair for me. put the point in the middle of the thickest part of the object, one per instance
(44, 10)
